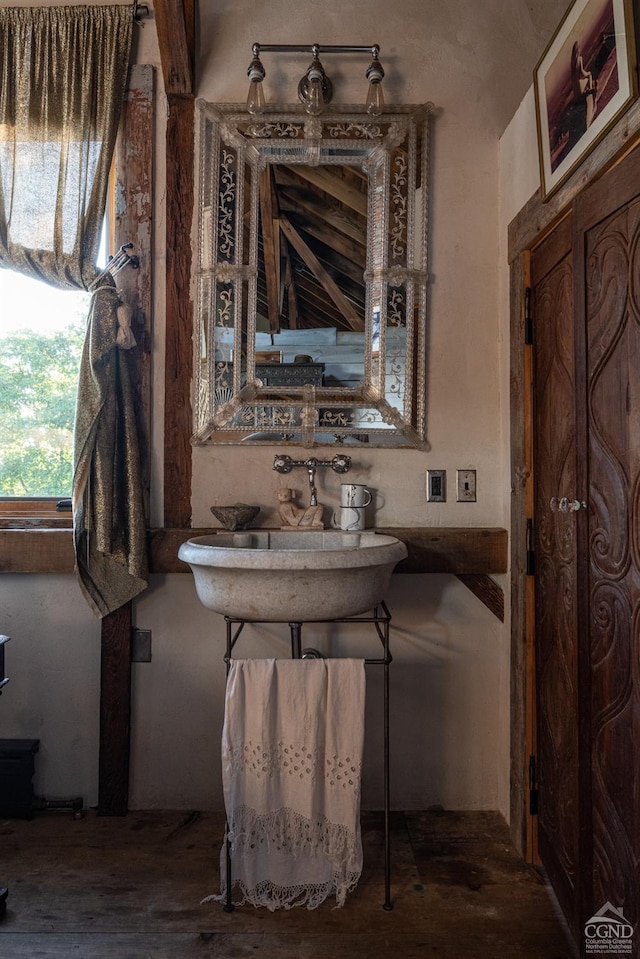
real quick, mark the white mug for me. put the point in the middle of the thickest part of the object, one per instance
(355, 495)
(350, 518)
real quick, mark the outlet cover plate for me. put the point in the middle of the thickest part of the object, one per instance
(436, 486)
(141, 646)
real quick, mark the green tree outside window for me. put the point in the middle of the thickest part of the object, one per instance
(38, 381)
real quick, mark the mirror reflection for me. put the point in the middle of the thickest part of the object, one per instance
(312, 277)
(313, 248)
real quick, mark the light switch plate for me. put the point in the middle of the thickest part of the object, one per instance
(466, 486)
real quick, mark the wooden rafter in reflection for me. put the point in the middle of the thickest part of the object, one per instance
(333, 219)
(292, 296)
(313, 263)
(270, 221)
(350, 256)
(325, 179)
(325, 208)
(314, 301)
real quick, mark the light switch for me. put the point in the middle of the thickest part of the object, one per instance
(466, 485)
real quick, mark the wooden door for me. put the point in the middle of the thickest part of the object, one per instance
(556, 619)
(586, 447)
(607, 261)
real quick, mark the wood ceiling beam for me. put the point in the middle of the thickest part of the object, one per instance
(335, 186)
(338, 269)
(339, 245)
(312, 261)
(333, 218)
(352, 274)
(270, 246)
(292, 295)
(314, 311)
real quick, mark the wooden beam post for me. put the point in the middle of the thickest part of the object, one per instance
(132, 217)
(115, 713)
(179, 313)
(177, 41)
(175, 23)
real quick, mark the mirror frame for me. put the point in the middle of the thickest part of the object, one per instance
(388, 406)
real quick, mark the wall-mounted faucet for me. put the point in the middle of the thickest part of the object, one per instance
(339, 464)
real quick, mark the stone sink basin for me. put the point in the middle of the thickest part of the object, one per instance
(292, 575)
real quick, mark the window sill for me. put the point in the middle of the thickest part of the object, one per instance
(54, 521)
(32, 513)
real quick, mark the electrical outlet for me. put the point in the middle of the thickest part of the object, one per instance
(466, 484)
(436, 486)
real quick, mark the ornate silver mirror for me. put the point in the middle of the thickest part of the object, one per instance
(312, 277)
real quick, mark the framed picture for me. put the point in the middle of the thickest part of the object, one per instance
(585, 79)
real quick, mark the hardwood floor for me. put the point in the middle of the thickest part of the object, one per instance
(131, 888)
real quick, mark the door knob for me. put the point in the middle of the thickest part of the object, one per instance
(565, 505)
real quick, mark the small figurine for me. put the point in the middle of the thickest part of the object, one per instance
(298, 517)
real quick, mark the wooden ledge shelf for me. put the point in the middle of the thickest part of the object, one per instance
(472, 554)
(453, 549)
(457, 550)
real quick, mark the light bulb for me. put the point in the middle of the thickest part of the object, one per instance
(255, 97)
(315, 102)
(255, 72)
(314, 90)
(375, 99)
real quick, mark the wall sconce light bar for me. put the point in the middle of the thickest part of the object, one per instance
(315, 89)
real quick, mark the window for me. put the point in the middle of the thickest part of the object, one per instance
(56, 322)
(41, 339)
(57, 129)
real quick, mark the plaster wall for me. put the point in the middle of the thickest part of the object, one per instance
(450, 676)
(444, 56)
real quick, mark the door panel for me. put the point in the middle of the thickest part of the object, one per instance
(554, 466)
(612, 331)
(586, 444)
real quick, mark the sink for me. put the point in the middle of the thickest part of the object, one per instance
(292, 575)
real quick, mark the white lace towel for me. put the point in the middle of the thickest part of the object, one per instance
(291, 760)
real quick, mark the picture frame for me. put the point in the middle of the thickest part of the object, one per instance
(584, 81)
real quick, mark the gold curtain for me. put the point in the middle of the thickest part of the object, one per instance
(63, 73)
(62, 82)
(108, 508)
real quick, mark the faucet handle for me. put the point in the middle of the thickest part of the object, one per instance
(283, 463)
(341, 463)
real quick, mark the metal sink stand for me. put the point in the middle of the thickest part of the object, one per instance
(381, 619)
